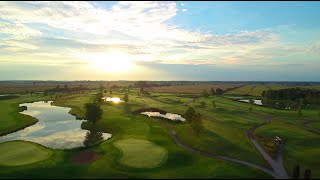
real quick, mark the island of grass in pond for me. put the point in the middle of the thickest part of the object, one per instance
(56, 128)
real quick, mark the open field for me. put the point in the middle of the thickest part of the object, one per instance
(18, 153)
(244, 90)
(257, 89)
(191, 88)
(225, 134)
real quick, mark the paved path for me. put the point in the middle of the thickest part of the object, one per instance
(278, 172)
(186, 103)
(277, 165)
(307, 124)
(185, 146)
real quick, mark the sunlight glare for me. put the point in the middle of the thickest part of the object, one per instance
(112, 62)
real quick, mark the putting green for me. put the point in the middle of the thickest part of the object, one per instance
(141, 153)
(17, 153)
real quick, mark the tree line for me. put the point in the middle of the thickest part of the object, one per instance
(307, 96)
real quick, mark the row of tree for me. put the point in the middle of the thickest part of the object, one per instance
(296, 173)
(308, 96)
(195, 120)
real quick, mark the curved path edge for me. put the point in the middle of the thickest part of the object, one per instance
(187, 147)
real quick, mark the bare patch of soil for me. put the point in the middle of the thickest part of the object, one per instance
(85, 157)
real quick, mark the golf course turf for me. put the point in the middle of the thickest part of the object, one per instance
(141, 147)
(16, 153)
(141, 153)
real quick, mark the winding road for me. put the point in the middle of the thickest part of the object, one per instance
(278, 172)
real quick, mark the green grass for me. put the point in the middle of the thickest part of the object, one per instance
(315, 125)
(227, 139)
(244, 90)
(300, 145)
(10, 118)
(141, 153)
(257, 91)
(17, 153)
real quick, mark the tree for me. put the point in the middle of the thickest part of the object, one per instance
(196, 123)
(65, 87)
(92, 137)
(105, 91)
(319, 114)
(205, 93)
(307, 174)
(126, 98)
(219, 91)
(296, 172)
(299, 113)
(141, 90)
(93, 112)
(214, 103)
(212, 92)
(31, 92)
(203, 104)
(98, 98)
(189, 114)
(101, 87)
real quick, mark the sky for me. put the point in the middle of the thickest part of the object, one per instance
(160, 40)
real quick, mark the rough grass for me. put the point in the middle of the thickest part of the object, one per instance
(15, 153)
(141, 153)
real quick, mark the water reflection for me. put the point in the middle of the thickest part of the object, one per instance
(112, 99)
(174, 117)
(255, 101)
(93, 136)
(56, 128)
(274, 104)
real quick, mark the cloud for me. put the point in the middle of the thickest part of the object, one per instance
(141, 29)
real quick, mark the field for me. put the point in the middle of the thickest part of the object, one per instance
(192, 89)
(257, 89)
(143, 147)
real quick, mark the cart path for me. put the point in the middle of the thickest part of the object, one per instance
(307, 124)
(187, 147)
(277, 165)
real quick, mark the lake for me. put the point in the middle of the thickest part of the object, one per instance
(56, 128)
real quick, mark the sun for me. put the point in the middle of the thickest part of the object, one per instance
(112, 62)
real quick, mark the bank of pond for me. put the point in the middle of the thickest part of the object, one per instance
(56, 128)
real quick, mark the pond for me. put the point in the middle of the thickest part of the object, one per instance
(273, 104)
(112, 99)
(56, 128)
(174, 117)
(255, 101)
